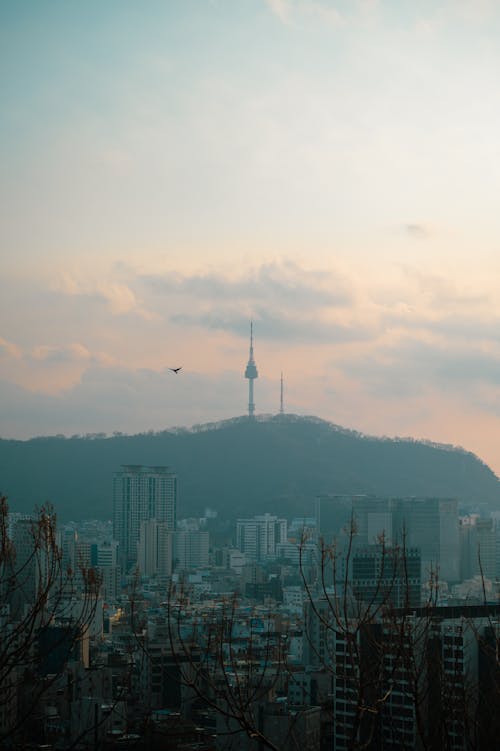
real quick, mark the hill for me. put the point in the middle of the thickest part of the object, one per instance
(240, 468)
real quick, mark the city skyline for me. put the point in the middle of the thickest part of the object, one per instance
(325, 169)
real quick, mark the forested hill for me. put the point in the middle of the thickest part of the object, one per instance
(239, 467)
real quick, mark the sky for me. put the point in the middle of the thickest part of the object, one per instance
(329, 169)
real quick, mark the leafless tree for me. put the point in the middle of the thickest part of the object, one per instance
(38, 615)
(402, 671)
(231, 675)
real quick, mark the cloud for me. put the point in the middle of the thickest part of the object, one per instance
(469, 329)
(271, 325)
(316, 10)
(287, 302)
(58, 354)
(282, 283)
(417, 231)
(52, 354)
(413, 368)
(108, 399)
(448, 329)
(278, 284)
(280, 8)
(9, 349)
(439, 292)
(474, 11)
(68, 353)
(325, 14)
(118, 296)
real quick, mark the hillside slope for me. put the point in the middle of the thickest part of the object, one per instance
(240, 468)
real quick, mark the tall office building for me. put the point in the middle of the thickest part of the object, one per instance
(479, 547)
(430, 524)
(385, 576)
(139, 494)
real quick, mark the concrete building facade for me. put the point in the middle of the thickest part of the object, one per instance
(139, 494)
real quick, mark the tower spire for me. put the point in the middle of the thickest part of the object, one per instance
(282, 410)
(251, 373)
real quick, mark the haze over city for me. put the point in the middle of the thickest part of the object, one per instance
(171, 171)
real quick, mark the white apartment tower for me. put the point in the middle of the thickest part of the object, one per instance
(140, 494)
(259, 537)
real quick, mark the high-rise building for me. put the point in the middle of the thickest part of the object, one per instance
(104, 557)
(424, 677)
(386, 576)
(479, 547)
(191, 549)
(259, 537)
(430, 524)
(155, 548)
(26, 568)
(139, 494)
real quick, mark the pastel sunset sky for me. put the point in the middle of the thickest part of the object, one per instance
(171, 169)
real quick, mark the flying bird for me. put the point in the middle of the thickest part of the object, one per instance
(175, 370)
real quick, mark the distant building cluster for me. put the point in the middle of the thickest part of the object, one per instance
(396, 612)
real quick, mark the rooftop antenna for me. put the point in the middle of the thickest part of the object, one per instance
(251, 373)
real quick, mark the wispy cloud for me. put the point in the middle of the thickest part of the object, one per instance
(9, 349)
(440, 292)
(52, 354)
(319, 11)
(280, 283)
(417, 230)
(288, 303)
(473, 11)
(118, 296)
(280, 8)
(69, 353)
(108, 399)
(324, 13)
(412, 367)
(271, 325)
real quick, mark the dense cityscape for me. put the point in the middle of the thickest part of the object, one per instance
(140, 631)
(153, 630)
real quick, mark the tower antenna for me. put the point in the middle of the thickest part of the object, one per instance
(251, 373)
(282, 411)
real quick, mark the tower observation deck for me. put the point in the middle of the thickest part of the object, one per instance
(251, 373)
